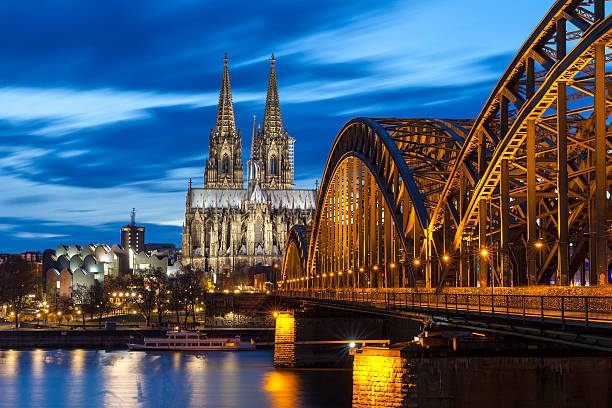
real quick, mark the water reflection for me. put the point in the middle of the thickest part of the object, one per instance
(490, 382)
(76, 378)
(281, 385)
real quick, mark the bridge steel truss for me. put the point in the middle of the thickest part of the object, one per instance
(520, 196)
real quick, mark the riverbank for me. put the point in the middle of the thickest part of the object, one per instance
(107, 339)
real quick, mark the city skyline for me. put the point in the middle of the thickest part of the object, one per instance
(97, 123)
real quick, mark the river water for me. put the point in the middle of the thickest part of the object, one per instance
(93, 378)
(96, 378)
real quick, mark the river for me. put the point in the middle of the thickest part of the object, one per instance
(97, 378)
(94, 378)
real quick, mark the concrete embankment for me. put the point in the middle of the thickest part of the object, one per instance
(104, 339)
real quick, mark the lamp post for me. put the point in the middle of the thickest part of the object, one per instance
(275, 267)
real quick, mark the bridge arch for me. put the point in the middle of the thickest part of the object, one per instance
(382, 171)
(295, 256)
(518, 196)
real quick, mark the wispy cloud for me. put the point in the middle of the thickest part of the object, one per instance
(37, 235)
(58, 111)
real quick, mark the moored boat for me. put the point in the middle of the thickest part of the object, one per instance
(192, 341)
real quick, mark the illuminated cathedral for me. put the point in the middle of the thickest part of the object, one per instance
(229, 228)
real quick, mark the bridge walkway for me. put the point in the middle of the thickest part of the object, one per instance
(584, 321)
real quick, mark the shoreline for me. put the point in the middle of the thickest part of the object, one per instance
(101, 339)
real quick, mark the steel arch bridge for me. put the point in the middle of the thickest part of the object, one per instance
(520, 196)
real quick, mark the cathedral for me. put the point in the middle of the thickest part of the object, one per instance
(228, 227)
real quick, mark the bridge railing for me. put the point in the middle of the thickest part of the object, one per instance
(573, 310)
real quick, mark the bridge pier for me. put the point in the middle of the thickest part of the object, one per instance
(383, 378)
(284, 340)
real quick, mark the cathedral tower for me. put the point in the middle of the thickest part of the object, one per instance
(271, 163)
(224, 165)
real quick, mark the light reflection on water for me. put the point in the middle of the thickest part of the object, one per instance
(76, 378)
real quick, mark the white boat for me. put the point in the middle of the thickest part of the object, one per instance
(192, 341)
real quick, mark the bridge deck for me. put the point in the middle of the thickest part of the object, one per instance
(587, 311)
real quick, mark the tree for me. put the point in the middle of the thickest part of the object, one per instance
(150, 286)
(82, 297)
(176, 296)
(194, 287)
(99, 297)
(18, 283)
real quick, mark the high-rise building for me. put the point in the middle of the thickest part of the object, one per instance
(133, 236)
(229, 228)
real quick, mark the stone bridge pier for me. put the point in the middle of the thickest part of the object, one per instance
(383, 377)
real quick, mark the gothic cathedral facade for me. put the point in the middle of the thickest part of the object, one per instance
(229, 228)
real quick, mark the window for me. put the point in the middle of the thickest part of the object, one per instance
(273, 165)
(225, 164)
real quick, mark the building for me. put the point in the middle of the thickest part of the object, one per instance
(133, 236)
(66, 267)
(228, 227)
(29, 256)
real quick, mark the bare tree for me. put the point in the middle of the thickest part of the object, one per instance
(150, 286)
(18, 283)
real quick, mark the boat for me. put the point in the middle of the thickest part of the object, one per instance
(191, 341)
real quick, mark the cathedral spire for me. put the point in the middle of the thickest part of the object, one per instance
(225, 124)
(224, 164)
(272, 123)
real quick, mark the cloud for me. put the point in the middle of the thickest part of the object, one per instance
(72, 205)
(58, 111)
(37, 235)
(71, 153)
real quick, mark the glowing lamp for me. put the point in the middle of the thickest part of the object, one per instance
(446, 258)
(539, 244)
(484, 252)
(417, 261)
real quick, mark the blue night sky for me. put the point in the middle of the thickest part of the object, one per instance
(107, 105)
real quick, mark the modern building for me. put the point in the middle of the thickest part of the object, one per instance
(228, 227)
(133, 236)
(68, 266)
